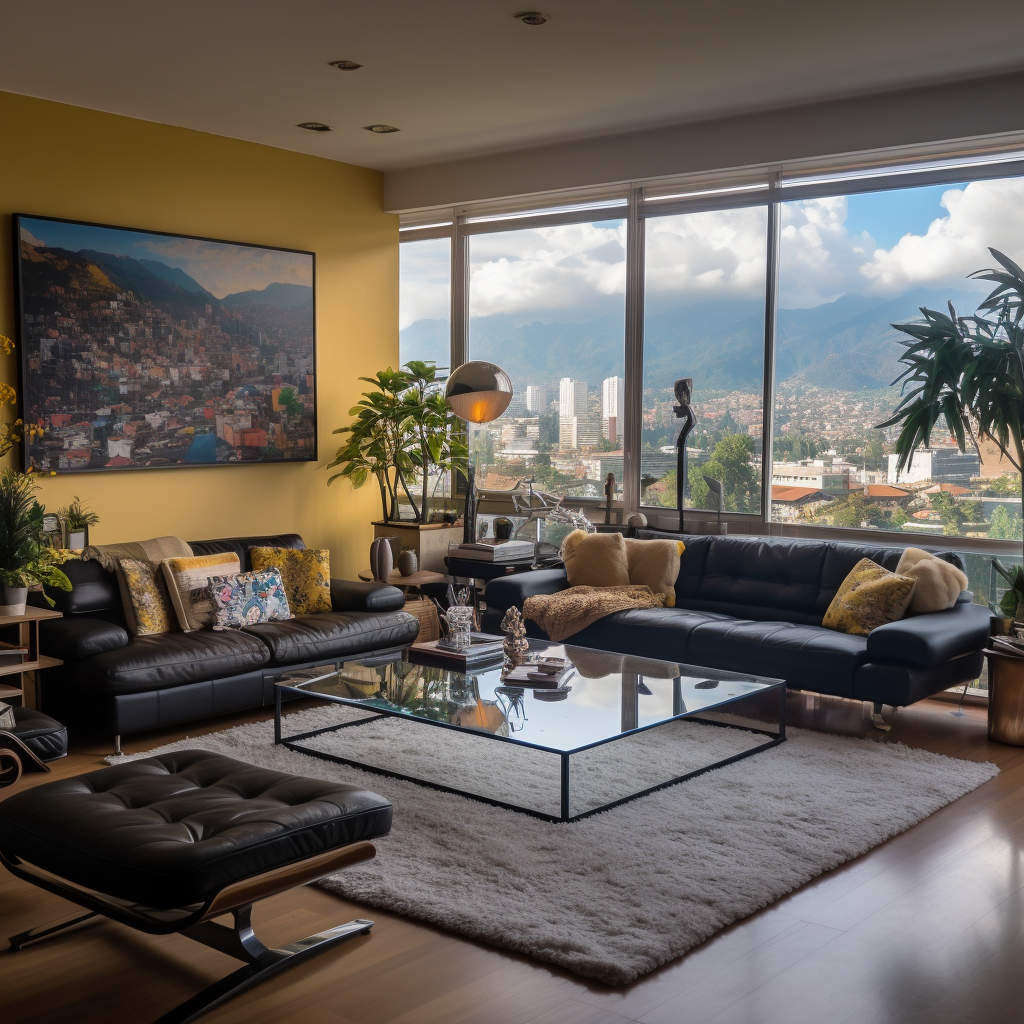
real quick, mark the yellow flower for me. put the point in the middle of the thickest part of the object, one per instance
(6, 344)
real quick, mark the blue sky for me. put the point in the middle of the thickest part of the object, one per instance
(888, 216)
(220, 267)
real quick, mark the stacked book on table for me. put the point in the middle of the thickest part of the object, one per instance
(1012, 645)
(484, 649)
(501, 552)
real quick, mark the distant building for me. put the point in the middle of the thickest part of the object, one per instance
(938, 465)
(538, 399)
(787, 502)
(815, 474)
(572, 398)
(576, 432)
(612, 408)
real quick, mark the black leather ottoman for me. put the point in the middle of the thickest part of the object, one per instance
(167, 843)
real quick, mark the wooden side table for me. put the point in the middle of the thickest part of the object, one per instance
(18, 678)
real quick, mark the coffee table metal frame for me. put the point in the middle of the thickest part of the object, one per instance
(281, 687)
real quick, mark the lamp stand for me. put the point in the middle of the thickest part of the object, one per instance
(469, 516)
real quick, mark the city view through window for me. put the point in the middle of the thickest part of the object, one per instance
(548, 304)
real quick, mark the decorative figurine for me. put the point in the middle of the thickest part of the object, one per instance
(516, 645)
(684, 411)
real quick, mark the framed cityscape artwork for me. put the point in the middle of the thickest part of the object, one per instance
(145, 350)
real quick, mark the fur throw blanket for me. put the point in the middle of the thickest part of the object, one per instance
(567, 612)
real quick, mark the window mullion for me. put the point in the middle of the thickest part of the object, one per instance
(771, 297)
(632, 433)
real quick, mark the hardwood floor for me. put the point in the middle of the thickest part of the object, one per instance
(928, 927)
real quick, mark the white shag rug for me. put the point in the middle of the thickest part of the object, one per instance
(620, 893)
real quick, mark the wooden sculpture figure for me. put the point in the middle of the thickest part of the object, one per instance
(516, 645)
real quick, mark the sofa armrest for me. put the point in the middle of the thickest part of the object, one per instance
(79, 638)
(514, 590)
(350, 596)
(925, 641)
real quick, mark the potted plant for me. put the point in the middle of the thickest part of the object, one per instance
(402, 430)
(25, 558)
(77, 519)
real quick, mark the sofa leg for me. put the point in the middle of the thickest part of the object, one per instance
(118, 752)
(876, 719)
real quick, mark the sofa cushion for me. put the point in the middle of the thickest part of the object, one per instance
(333, 635)
(171, 659)
(174, 829)
(356, 596)
(306, 573)
(807, 657)
(74, 639)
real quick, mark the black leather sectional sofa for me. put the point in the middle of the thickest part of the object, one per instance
(755, 604)
(127, 685)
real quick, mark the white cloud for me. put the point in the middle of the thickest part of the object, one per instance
(981, 214)
(425, 272)
(574, 270)
(27, 236)
(713, 255)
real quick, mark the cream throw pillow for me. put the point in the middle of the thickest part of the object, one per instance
(595, 559)
(655, 564)
(939, 583)
(188, 582)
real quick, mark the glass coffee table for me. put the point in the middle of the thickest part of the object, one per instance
(617, 728)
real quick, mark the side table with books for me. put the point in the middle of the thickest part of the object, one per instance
(20, 659)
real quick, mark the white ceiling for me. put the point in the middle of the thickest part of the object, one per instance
(461, 77)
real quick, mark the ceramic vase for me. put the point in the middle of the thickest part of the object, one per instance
(381, 559)
(408, 563)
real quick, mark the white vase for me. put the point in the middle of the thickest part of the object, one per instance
(13, 600)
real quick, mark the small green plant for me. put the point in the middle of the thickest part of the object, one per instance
(77, 516)
(25, 558)
(1012, 603)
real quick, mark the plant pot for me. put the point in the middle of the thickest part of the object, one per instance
(78, 538)
(13, 600)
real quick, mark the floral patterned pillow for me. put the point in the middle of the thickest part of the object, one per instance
(248, 598)
(147, 605)
(306, 573)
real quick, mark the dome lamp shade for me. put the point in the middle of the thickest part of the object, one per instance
(478, 391)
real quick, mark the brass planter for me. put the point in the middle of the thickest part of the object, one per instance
(1005, 698)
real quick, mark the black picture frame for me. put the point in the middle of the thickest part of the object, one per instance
(183, 379)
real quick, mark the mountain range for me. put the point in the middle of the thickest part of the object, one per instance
(847, 344)
(156, 282)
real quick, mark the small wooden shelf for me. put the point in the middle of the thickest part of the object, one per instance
(17, 671)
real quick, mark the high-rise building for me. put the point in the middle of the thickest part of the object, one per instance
(612, 408)
(572, 397)
(538, 398)
(576, 432)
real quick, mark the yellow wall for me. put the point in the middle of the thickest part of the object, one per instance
(64, 161)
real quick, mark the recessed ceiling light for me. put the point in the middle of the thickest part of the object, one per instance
(380, 129)
(314, 126)
(345, 65)
(531, 18)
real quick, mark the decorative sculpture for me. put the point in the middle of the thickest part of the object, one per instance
(516, 645)
(609, 495)
(684, 411)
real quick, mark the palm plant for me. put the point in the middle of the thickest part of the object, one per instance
(25, 558)
(966, 370)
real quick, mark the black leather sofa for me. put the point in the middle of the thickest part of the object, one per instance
(127, 685)
(755, 604)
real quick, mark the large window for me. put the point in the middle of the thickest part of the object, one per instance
(547, 304)
(704, 318)
(424, 306)
(849, 267)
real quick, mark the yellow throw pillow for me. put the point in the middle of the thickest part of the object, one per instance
(655, 564)
(306, 573)
(595, 559)
(188, 583)
(939, 583)
(870, 596)
(147, 604)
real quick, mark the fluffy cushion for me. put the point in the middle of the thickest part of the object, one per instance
(147, 604)
(870, 596)
(595, 559)
(939, 583)
(306, 573)
(248, 598)
(655, 564)
(188, 582)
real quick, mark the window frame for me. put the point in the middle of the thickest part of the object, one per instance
(637, 202)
